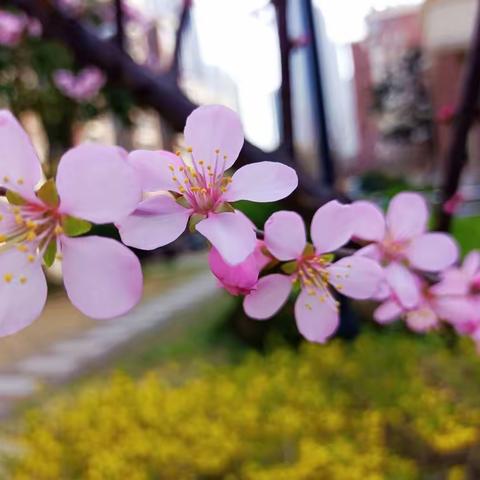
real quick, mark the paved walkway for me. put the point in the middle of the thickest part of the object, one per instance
(65, 359)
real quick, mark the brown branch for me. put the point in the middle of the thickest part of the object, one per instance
(285, 87)
(120, 24)
(457, 157)
(155, 91)
(182, 25)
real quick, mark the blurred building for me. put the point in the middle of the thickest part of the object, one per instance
(407, 72)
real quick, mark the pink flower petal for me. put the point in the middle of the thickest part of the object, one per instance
(332, 226)
(238, 279)
(262, 182)
(432, 252)
(103, 278)
(231, 234)
(356, 277)
(404, 284)
(370, 251)
(156, 222)
(23, 296)
(457, 310)
(317, 320)
(213, 127)
(154, 170)
(421, 320)
(96, 183)
(370, 222)
(471, 264)
(285, 235)
(387, 312)
(407, 216)
(269, 296)
(19, 165)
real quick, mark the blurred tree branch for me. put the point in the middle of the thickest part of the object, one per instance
(285, 87)
(457, 157)
(160, 92)
(182, 25)
(120, 24)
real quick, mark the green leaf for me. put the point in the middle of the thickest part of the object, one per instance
(50, 253)
(48, 193)
(14, 198)
(289, 267)
(73, 227)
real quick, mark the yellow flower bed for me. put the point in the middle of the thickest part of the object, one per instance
(321, 413)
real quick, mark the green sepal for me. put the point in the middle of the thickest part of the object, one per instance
(225, 207)
(73, 227)
(183, 202)
(328, 257)
(289, 267)
(195, 219)
(14, 198)
(309, 250)
(50, 253)
(48, 194)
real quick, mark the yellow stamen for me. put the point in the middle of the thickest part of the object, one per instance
(20, 181)
(3, 238)
(18, 219)
(23, 280)
(189, 149)
(31, 236)
(31, 258)
(6, 179)
(8, 277)
(58, 230)
(22, 248)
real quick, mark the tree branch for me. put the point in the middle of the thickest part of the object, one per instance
(155, 91)
(182, 25)
(285, 87)
(457, 157)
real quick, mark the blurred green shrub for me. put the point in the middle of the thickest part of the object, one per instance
(385, 407)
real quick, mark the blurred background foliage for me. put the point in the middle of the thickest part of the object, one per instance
(390, 405)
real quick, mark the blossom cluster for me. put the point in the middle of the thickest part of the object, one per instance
(152, 197)
(13, 26)
(83, 86)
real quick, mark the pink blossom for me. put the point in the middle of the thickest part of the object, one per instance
(102, 278)
(462, 286)
(446, 114)
(400, 242)
(11, 28)
(239, 279)
(82, 87)
(419, 318)
(453, 203)
(313, 269)
(455, 299)
(200, 188)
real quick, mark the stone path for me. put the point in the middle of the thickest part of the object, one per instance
(68, 358)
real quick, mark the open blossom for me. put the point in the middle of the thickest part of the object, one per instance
(83, 86)
(201, 189)
(419, 318)
(102, 277)
(462, 285)
(12, 27)
(313, 269)
(239, 279)
(402, 244)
